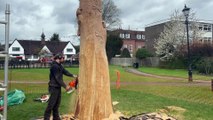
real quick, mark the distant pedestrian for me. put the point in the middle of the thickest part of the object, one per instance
(55, 84)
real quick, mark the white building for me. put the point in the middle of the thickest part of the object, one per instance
(33, 50)
(153, 31)
(205, 30)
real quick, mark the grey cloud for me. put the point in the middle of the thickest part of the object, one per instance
(59, 16)
(22, 10)
(140, 8)
(2, 18)
(65, 13)
(2, 5)
(27, 7)
(141, 12)
(21, 21)
(199, 4)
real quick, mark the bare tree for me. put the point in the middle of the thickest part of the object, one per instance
(94, 96)
(110, 14)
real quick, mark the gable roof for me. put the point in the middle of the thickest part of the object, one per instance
(35, 46)
(56, 47)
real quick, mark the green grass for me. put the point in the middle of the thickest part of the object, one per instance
(198, 94)
(31, 109)
(129, 77)
(174, 73)
(133, 102)
(130, 103)
(32, 74)
(146, 95)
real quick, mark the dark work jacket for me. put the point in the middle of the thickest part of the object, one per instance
(56, 75)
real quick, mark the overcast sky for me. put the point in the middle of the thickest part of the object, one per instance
(30, 17)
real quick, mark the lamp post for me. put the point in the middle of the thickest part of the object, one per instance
(186, 11)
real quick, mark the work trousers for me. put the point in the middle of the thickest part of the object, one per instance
(53, 103)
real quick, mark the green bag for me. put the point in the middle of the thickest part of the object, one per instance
(13, 98)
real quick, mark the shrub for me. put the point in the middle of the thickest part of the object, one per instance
(205, 66)
(143, 53)
(125, 53)
(113, 46)
(199, 51)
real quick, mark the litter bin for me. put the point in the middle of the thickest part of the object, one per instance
(135, 65)
(212, 84)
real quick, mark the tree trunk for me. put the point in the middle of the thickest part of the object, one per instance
(94, 100)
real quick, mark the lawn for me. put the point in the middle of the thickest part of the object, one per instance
(32, 74)
(31, 109)
(135, 102)
(145, 95)
(174, 72)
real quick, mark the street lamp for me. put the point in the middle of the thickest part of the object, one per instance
(186, 11)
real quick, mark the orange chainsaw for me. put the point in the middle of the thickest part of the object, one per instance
(73, 85)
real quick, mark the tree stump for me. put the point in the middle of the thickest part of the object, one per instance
(94, 99)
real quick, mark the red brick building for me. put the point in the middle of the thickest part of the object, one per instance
(132, 40)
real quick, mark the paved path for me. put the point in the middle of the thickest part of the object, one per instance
(132, 83)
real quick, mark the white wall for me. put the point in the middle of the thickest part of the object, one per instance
(32, 58)
(69, 46)
(16, 44)
(206, 34)
(45, 49)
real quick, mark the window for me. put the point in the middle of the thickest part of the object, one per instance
(138, 36)
(200, 27)
(209, 38)
(69, 50)
(130, 48)
(209, 28)
(205, 38)
(127, 35)
(35, 56)
(121, 35)
(15, 48)
(69, 57)
(16, 55)
(205, 27)
(143, 37)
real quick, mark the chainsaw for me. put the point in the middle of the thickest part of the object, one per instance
(73, 85)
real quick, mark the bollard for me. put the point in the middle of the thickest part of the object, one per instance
(118, 79)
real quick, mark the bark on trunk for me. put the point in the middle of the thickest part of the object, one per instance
(94, 100)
